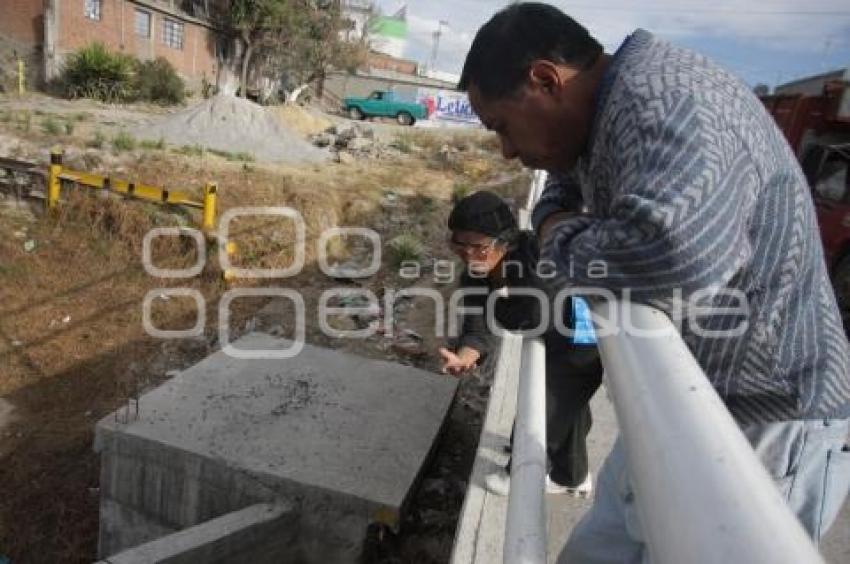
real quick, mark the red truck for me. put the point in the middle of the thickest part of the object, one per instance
(817, 127)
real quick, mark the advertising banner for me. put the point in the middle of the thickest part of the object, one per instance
(448, 107)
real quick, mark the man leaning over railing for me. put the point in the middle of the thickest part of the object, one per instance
(697, 207)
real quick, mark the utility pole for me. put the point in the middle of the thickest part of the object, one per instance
(432, 65)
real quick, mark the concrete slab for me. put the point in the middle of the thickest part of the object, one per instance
(260, 534)
(340, 437)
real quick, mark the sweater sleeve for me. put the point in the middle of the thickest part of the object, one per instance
(518, 309)
(679, 197)
(562, 192)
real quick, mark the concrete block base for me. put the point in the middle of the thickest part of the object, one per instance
(340, 439)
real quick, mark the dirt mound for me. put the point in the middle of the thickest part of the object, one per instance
(227, 123)
(302, 120)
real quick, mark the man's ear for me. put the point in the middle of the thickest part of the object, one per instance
(543, 75)
(548, 76)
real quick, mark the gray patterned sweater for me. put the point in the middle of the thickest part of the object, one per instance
(693, 191)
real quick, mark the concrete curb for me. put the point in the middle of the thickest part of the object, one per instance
(264, 532)
(481, 527)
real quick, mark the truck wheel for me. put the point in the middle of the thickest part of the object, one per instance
(841, 284)
(404, 118)
(355, 113)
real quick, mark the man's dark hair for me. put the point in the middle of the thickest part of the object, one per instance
(505, 47)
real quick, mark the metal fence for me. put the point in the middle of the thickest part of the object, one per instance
(17, 175)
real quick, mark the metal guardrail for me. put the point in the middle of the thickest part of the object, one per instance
(538, 184)
(701, 493)
(525, 531)
(57, 173)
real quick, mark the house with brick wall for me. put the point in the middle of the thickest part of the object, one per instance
(44, 32)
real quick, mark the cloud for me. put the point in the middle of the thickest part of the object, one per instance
(777, 24)
(780, 26)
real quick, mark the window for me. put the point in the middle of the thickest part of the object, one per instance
(172, 33)
(143, 23)
(92, 9)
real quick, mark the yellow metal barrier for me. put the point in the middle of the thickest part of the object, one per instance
(210, 195)
(53, 183)
(58, 172)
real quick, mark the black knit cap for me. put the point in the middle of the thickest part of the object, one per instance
(486, 213)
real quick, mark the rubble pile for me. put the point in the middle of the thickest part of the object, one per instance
(355, 142)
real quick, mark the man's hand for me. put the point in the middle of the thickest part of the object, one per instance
(459, 363)
(552, 220)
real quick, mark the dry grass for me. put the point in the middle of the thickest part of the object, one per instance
(63, 376)
(462, 140)
(301, 120)
(69, 331)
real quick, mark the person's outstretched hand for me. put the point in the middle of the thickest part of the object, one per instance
(458, 363)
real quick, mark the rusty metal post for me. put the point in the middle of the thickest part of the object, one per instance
(53, 183)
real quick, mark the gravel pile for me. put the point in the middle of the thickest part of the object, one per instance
(227, 123)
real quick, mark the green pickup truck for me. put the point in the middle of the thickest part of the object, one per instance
(384, 104)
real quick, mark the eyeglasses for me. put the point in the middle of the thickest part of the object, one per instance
(475, 249)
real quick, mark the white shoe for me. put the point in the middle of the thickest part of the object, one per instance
(498, 483)
(584, 489)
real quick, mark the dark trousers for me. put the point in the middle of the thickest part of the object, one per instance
(573, 374)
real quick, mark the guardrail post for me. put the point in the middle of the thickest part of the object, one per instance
(210, 190)
(525, 530)
(53, 183)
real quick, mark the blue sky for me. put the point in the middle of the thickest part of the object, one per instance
(763, 41)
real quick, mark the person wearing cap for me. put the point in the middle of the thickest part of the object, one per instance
(501, 258)
(696, 204)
